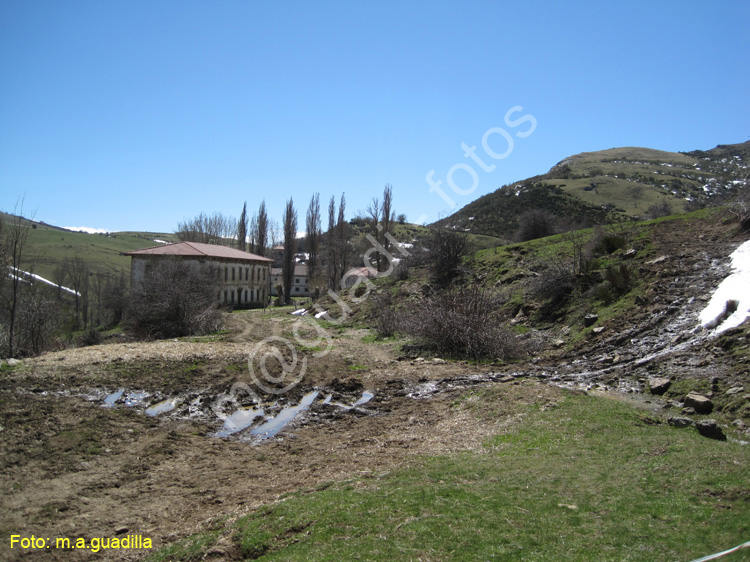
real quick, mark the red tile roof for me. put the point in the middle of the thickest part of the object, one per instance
(198, 249)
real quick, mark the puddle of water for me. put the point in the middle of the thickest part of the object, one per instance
(274, 425)
(366, 397)
(161, 407)
(135, 398)
(110, 400)
(238, 421)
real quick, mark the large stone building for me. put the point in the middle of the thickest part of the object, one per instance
(243, 279)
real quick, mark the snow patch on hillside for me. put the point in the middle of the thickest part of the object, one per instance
(87, 229)
(734, 289)
(25, 276)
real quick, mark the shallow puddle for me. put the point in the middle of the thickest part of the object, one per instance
(276, 424)
(135, 398)
(366, 397)
(161, 407)
(110, 400)
(238, 421)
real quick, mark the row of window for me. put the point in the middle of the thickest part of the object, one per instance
(257, 273)
(242, 296)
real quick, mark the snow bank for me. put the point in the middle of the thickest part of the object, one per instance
(20, 273)
(87, 229)
(736, 287)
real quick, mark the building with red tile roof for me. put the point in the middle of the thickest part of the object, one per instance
(243, 279)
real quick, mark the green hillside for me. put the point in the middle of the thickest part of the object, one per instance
(619, 182)
(48, 247)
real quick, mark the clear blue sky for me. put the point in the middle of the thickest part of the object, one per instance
(137, 114)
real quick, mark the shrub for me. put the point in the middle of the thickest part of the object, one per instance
(174, 299)
(463, 323)
(447, 248)
(536, 223)
(620, 277)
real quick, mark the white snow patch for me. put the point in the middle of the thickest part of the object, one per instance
(87, 229)
(733, 288)
(38, 278)
(161, 241)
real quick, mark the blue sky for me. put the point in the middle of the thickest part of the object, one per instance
(134, 115)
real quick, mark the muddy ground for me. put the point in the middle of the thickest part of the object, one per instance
(71, 467)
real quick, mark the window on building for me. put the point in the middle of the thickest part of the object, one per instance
(226, 273)
(225, 297)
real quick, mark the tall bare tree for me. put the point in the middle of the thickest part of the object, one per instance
(262, 228)
(313, 233)
(290, 246)
(15, 234)
(332, 272)
(77, 272)
(342, 239)
(242, 229)
(387, 215)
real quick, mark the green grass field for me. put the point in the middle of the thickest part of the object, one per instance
(580, 478)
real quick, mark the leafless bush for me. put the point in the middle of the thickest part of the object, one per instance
(740, 208)
(174, 299)
(38, 319)
(559, 273)
(620, 277)
(447, 248)
(387, 318)
(463, 323)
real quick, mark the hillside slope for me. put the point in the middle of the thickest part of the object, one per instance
(48, 247)
(593, 187)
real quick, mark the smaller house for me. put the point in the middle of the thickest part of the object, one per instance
(357, 274)
(242, 281)
(300, 283)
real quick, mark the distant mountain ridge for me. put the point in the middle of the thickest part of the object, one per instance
(593, 187)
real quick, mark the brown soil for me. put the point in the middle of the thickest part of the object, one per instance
(73, 468)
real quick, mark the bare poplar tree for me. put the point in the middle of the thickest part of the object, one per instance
(331, 253)
(263, 226)
(252, 230)
(387, 216)
(313, 231)
(242, 229)
(290, 239)
(342, 231)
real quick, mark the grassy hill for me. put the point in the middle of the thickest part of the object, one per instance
(598, 186)
(49, 246)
